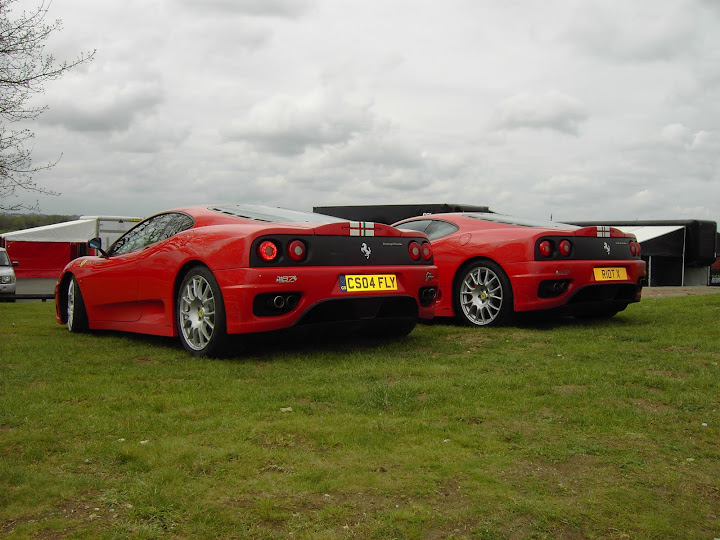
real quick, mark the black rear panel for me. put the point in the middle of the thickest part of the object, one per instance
(341, 251)
(588, 248)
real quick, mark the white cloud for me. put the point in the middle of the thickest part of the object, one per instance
(634, 32)
(594, 111)
(262, 8)
(551, 110)
(113, 109)
(286, 125)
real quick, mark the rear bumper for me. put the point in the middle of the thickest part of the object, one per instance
(548, 285)
(319, 298)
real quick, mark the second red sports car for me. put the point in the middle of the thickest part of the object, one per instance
(492, 266)
(202, 273)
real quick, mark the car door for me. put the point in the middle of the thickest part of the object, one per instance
(158, 268)
(111, 294)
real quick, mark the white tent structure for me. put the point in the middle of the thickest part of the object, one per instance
(79, 230)
(648, 232)
(42, 252)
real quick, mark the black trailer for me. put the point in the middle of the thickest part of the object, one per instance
(392, 213)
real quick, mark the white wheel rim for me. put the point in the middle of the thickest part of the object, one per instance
(481, 296)
(71, 305)
(197, 313)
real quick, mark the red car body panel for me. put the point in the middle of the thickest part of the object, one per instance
(137, 291)
(513, 248)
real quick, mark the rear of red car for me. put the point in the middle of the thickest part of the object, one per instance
(341, 273)
(593, 271)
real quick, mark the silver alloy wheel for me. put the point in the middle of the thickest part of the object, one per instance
(71, 305)
(197, 313)
(481, 295)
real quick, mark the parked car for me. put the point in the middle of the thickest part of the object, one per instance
(205, 272)
(492, 266)
(7, 277)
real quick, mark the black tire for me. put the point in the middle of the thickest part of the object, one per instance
(77, 319)
(483, 295)
(200, 313)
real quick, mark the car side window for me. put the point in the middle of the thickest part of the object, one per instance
(420, 225)
(438, 229)
(150, 231)
(177, 224)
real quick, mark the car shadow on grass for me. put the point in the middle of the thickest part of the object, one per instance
(265, 345)
(535, 320)
(300, 340)
(345, 338)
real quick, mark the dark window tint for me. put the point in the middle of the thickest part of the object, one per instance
(511, 220)
(419, 225)
(438, 229)
(150, 231)
(273, 215)
(177, 224)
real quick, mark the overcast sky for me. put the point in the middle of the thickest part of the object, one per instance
(594, 109)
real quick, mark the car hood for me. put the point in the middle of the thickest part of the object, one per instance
(6, 271)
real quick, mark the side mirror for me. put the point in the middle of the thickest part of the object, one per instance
(96, 243)
(15, 263)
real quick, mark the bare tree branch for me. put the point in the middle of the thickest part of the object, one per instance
(24, 69)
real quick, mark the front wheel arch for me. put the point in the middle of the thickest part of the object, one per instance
(492, 315)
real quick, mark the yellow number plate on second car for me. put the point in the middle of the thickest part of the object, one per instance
(610, 274)
(368, 282)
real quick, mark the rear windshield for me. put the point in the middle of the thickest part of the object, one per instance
(512, 220)
(273, 215)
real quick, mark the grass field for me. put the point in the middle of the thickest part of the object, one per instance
(557, 429)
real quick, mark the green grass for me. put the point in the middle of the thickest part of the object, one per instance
(564, 429)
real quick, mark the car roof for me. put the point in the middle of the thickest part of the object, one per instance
(213, 214)
(503, 220)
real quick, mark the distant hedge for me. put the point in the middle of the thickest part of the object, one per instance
(18, 222)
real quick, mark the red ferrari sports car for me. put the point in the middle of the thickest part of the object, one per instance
(492, 266)
(202, 273)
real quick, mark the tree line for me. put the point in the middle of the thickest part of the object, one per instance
(18, 222)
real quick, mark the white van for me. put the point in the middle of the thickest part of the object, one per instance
(7, 275)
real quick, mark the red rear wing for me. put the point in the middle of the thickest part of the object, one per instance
(357, 228)
(602, 231)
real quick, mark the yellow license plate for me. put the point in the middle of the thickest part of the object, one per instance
(368, 282)
(610, 274)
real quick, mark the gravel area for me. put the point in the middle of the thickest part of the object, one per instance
(661, 292)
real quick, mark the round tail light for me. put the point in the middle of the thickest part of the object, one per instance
(414, 250)
(634, 248)
(545, 248)
(427, 251)
(297, 250)
(267, 251)
(565, 247)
